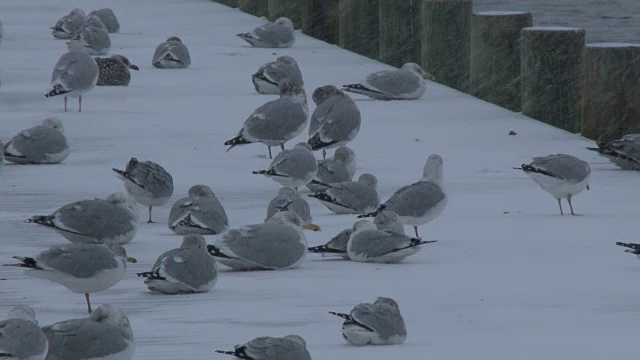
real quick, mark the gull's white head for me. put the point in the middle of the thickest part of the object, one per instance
(290, 218)
(386, 301)
(388, 221)
(284, 22)
(119, 251)
(77, 12)
(288, 193)
(54, 123)
(286, 59)
(194, 241)
(368, 179)
(124, 60)
(323, 93)
(112, 315)
(95, 21)
(125, 200)
(433, 169)
(347, 157)
(75, 45)
(174, 39)
(297, 339)
(362, 225)
(23, 312)
(201, 191)
(287, 88)
(417, 70)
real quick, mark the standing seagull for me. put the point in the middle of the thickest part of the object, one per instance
(105, 334)
(420, 202)
(82, 268)
(279, 34)
(404, 84)
(335, 121)
(199, 213)
(293, 168)
(188, 269)
(277, 121)
(108, 18)
(171, 54)
(69, 24)
(114, 70)
(290, 347)
(149, 183)
(74, 75)
(20, 336)
(563, 176)
(379, 323)
(624, 153)
(41, 144)
(269, 76)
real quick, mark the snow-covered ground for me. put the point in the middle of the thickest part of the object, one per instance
(509, 278)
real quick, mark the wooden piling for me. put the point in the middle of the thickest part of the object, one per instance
(610, 90)
(400, 31)
(229, 3)
(495, 56)
(359, 23)
(286, 8)
(550, 75)
(320, 19)
(254, 7)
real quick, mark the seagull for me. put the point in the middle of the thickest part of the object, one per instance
(188, 269)
(69, 24)
(21, 337)
(420, 202)
(149, 183)
(41, 144)
(633, 248)
(114, 70)
(404, 84)
(340, 168)
(82, 268)
(334, 122)
(624, 153)
(277, 121)
(74, 75)
(199, 213)
(171, 54)
(108, 18)
(278, 34)
(379, 323)
(270, 76)
(290, 347)
(94, 36)
(352, 197)
(293, 168)
(289, 199)
(563, 176)
(105, 334)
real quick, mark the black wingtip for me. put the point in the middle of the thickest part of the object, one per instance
(321, 249)
(317, 144)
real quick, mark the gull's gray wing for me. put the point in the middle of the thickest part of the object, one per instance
(96, 219)
(335, 120)
(385, 320)
(393, 82)
(564, 166)
(273, 35)
(298, 205)
(277, 72)
(36, 143)
(271, 348)
(80, 339)
(75, 70)
(192, 267)
(374, 243)
(153, 178)
(21, 339)
(278, 120)
(205, 212)
(294, 163)
(108, 18)
(415, 200)
(355, 195)
(176, 50)
(77, 260)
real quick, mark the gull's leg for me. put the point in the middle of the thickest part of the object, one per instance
(415, 228)
(149, 222)
(270, 157)
(86, 296)
(80, 104)
(324, 154)
(65, 104)
(570, 206)
(282, 146)
(560, 204)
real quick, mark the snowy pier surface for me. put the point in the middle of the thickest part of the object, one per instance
(509, 278)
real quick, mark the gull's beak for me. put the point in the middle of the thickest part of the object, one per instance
(134, 67)
(428, 76)
(132, 260)
(312, 227)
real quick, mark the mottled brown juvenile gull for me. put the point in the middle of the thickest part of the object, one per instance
(352, 197)
(275, 122)
(624, 152)
(276, 244)
(74, 75)
(41, 144)
(269, 76)
(171, 54)
(420, 202)
(69, 24)
(335, 121)
(293, 168)
(379, 323)
(20, 336)
(149, 183)
(187, 269)
(113, 220)
(108, 18)
(114, 70)
(408, 83)
(105, 334)
(289, 199)
(278, 34)
(82, 268)
(199, 213)
(290, 347)
(563, 176)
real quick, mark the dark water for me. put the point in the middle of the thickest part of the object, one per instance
(603, 20)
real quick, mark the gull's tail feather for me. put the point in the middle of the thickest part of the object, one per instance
(633, 247)
(214, 251)
(26, 262)
(238, 140)
(57, 90)
(323, 249)
(344, 316)
(317, 144)
(530, 168)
